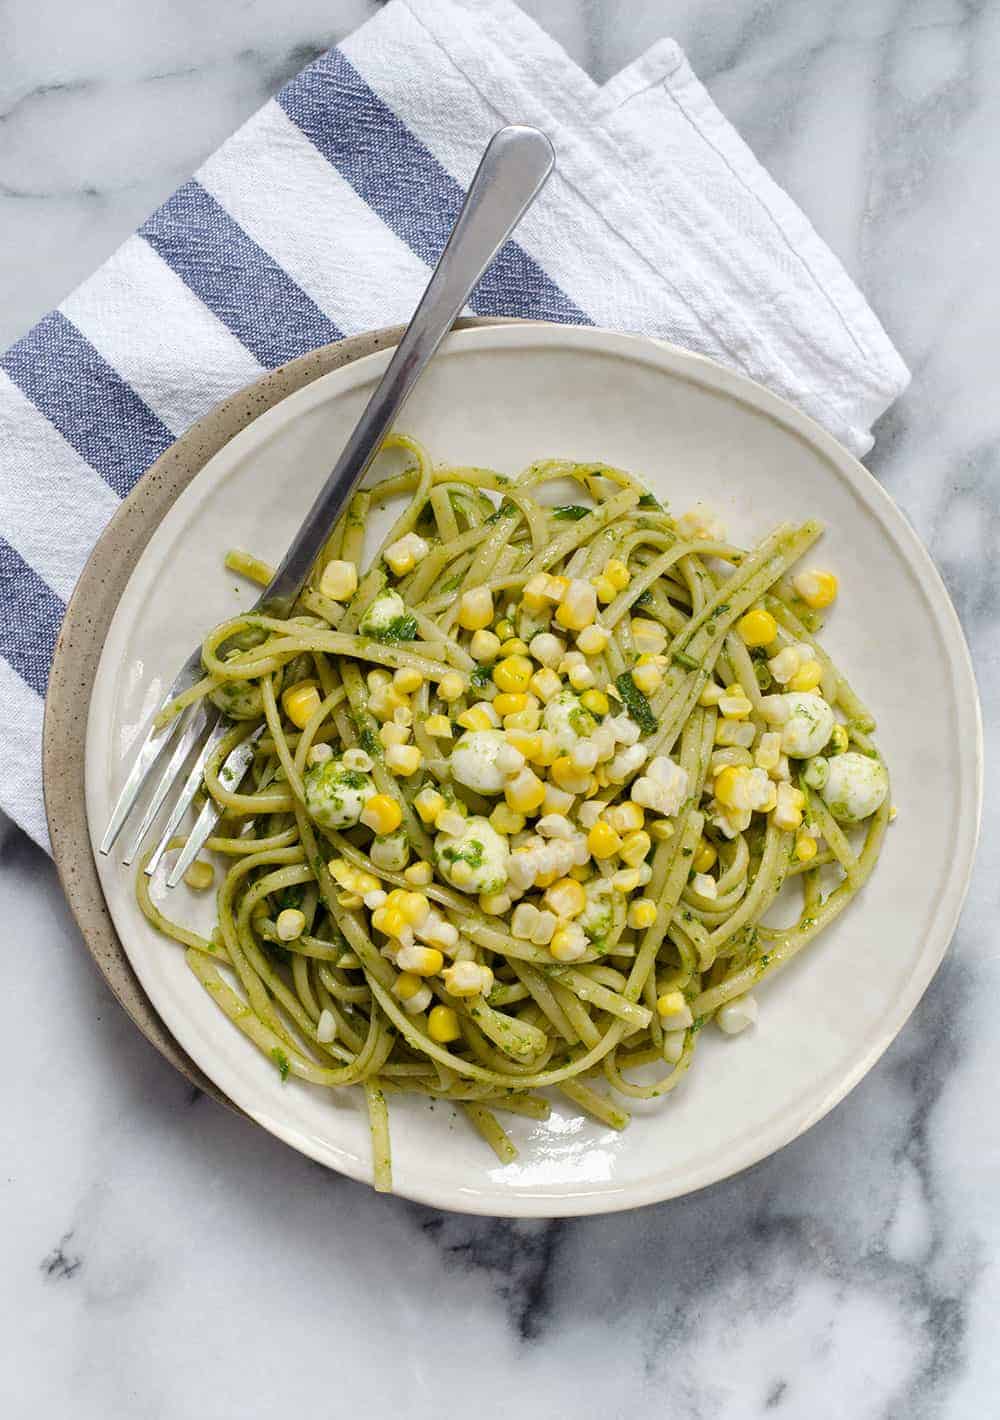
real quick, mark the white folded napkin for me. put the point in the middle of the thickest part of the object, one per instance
(321, 216)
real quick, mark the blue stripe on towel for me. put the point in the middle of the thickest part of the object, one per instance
(235, 278)
(95, 411)
(407, 187)
(32, 615)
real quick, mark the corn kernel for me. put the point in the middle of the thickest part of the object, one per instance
(403, 759)
(300, 702)
(727, 785)
(513, 673)
(578, 607)
(566, 898)
(468, 978)
(407, 679)
(642, 913)
(603, 841)
(734, 705)
(200, 876)
(569, 943)
(509, 702)
(567, 776)
(595, 701)
(422, 961)
(494, 904)
(805, 847)
(548, 650)
(647, 636)
(548, 750)
(504, 629)
(475, 609)
(451, 685)
(617, 573)
(484, 646)
(647, 678)
(406, 985)
(419, 874)
(533, 596)
(839, 740)
(626, 879)
(592, 640)
(634, 848)
(449, 821)
(428, 803)
(734, 733)
(438, 727)
(528, 719)
(393, 734)
(671, 1004)
(817, 589)
(382, 814)
(404, 554)
(788, 807)
(605, 589)
(514, 646)
(475, 718)
(705, 856)
(712, 694)
(807, 677)
(414, 907)
(388, 920)
(661, 829)
(442, 1025)
(768, 750)
(525, 792)
(545, 683)
(757, 628)
(339, 581)
(527, 742)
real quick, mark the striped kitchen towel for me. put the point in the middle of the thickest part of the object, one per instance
(321, 217)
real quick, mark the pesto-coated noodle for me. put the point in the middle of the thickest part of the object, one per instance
(523, 790)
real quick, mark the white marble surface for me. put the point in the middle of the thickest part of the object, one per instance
(163, 1259)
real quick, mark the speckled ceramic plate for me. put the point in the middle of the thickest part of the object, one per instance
(503, 396)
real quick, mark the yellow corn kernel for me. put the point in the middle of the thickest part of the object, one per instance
(451, 685)
(547, 752)
(504, 630)
(419, 874)
(200, 876)
(528, 742)
(524, 793)
(671, 1003)
(727, 785)
(592, 640)
(354, 879)
(403, 759)
(595, 701)
(382, 814)
(505, 820)
(339, 581)
(385, 700)
(788, 808)
(605, 589)
(565, 774)
(475, 609)
(442, 1025)
(625, 880)
(494, 904)
(839, 740)
(513, 673)
(578, 607)
(634, 848)
(647, 678)
(422, 961)
(402, 556)
(617, 573)
(734, 704)
(462, 874)
(484, 646)
(545, 683)
(566, 898)
(350, 899)
(603, 841)
(705, 857)
(514, 646)
(817, 589)
(757, 628)
(661, 829)
(438, 727)
(407, 679)
(528, 719)
(414, 907)
(428, 803)
(388, 920)
(805, 847)
(807, 677)
(509, 702)
(392, 734)
(475, 718)
(625, 818)
(406, 985)
(647, 636)
(642, 913)
(300, 702)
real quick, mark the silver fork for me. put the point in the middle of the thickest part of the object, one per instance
(512, 172)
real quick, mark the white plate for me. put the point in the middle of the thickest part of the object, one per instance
(504, 396)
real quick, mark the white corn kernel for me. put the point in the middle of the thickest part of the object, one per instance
(547, 649)
(524, 921)
(484, 646)
(705, 885)
(736, 1015)
(326, 1028)
(339, 581)
(357, 759)
(404, 554)
(592, 640)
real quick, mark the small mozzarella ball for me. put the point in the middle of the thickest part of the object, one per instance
(855, 787)
(474, 761)
(567, 720)
(597, 917)
(736, 1015)
(387, 607)
(336, 795)
(809, 724)
(474, 860)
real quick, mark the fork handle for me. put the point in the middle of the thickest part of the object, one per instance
(512, 171)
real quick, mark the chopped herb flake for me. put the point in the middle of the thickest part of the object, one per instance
(636, 703)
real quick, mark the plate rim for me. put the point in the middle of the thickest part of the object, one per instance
(189, 460)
